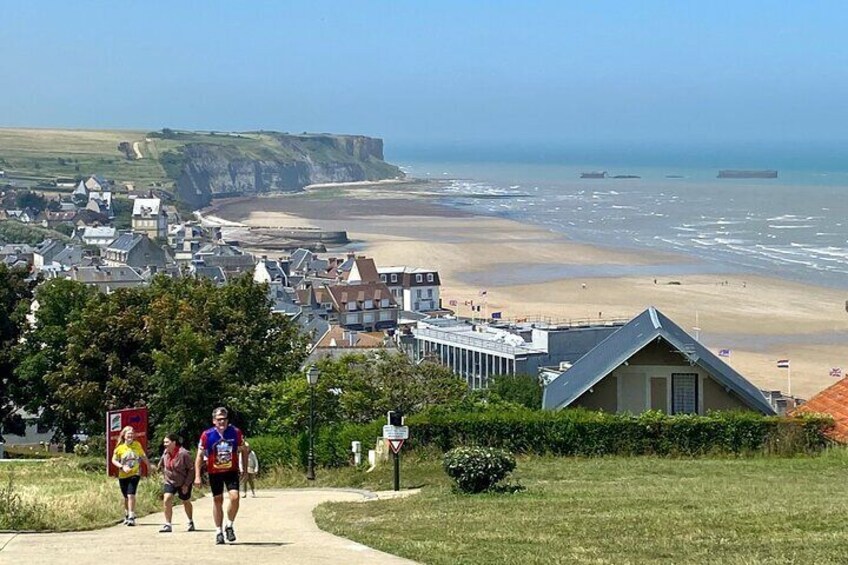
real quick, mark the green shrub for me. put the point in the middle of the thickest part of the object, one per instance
(276, 450)
(477, 469)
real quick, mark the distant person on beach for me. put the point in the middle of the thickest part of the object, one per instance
(252, 470)
(177, 474)
(222, 444)
(127, 457)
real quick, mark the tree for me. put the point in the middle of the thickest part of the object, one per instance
(524, 390)
(29, 199)
(41, 352)
(180, 347)
(15, 296)
(362, 388)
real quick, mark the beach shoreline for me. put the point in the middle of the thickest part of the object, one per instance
(530, 271)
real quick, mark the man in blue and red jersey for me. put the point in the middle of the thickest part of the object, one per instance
(222, 445)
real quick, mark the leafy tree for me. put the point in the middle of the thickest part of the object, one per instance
(524, 390)
(15, 295)
(29, 199)
(362, 388)
(180, 347)
(41, 352)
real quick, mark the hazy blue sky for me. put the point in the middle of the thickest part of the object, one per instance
(433, 70)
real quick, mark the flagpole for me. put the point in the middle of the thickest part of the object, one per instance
(789, 379)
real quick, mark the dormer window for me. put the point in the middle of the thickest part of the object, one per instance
(429, 277)
(384, 303)
(383, 277)
(369, 304)
(394, 277)
(419, 278)
(351, 306)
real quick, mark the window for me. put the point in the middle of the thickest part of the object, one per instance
(367, 318)
(351, 306)
(383, 277)
(394, 277)
(684, 393)
(369, 304)
(419, 278)
(417, 293)
(384, 303)
(429, 277)
(429, 293)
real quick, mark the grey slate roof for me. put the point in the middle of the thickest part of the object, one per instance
(629, 340)
(124, 242)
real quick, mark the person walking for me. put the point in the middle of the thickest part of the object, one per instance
(177, 469)
(127, 457)
(252, 470)
(222, 444)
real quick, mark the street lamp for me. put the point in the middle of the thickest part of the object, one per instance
(312, 378)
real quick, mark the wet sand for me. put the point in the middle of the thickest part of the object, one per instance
(531, 272)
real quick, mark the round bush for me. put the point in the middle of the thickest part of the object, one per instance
(478, 469)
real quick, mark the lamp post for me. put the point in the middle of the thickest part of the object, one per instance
(312, 378)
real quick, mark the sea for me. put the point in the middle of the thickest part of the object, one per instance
(793, 227)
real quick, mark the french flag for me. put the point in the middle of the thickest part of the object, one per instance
(783, 364)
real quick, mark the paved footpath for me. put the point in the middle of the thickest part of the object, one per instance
(275, 527)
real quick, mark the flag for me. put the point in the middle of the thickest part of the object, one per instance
(484, 292)
(724, 353)
(836, 372)
(477, 308)
(452, 302)
(496, 315)
(783, 364)
(469, 303)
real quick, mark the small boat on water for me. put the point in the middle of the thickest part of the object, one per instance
(594, 175)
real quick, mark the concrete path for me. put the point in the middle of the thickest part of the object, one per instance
(274, 527)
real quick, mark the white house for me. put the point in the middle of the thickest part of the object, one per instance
(414, 289)
(149, 217)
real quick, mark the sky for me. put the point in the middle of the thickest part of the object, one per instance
(435, 71)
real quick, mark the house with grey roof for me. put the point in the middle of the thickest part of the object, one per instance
(651, 363)
(230, 258)
(46, 251)
(99, 236)
(106, 279)
(135, 250)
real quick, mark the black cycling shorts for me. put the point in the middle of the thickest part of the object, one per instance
(217, 482)
(172, 489)
(129, 486)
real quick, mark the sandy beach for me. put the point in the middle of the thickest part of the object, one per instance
(529, 271)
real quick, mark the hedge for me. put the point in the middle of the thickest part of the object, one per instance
(569, 432)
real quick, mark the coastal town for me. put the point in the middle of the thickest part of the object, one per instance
(345, 302)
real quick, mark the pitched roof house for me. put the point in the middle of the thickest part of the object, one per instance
(148, 216)
(364, 306)
(833, 401)
(651, 363)
(134, 250)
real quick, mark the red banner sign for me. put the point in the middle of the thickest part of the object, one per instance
(116, 420)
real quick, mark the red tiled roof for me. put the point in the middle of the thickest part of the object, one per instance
(833, 401)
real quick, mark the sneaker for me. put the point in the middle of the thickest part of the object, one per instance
(231, 534)
(219, 539)
(244, 495)
(166, 529)
(253, 494)
(131, 521)
(190, 527)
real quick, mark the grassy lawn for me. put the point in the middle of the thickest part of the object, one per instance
(617, 510)
(67, 493)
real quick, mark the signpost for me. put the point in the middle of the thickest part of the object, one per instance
(395, 433)
(115, 422)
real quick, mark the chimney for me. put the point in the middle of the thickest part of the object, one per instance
(264, 257)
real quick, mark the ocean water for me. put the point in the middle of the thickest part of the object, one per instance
(794, 227)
